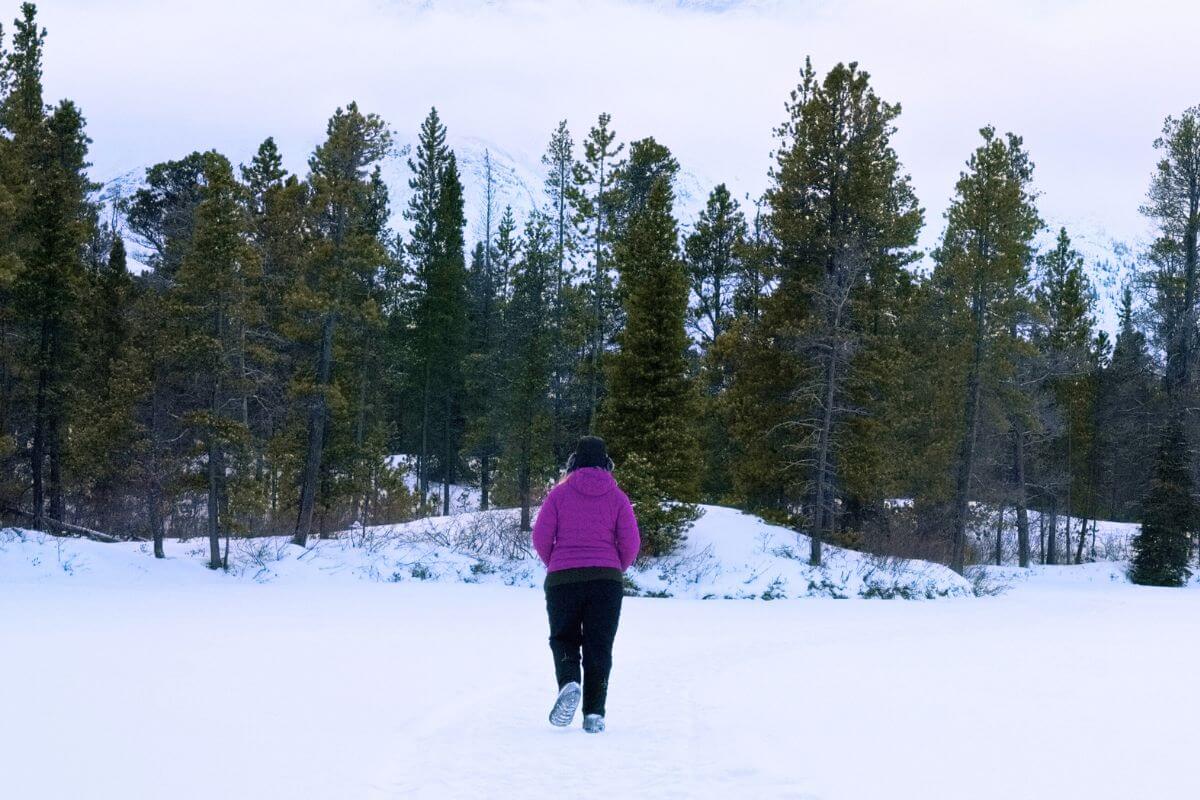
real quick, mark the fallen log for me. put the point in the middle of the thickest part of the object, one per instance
(56, 528)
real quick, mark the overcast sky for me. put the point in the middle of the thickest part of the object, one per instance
(1086, 82)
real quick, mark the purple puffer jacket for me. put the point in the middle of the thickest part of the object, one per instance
(586, 521)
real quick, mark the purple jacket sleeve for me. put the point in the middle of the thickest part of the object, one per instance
(629, 540)
(545, 528)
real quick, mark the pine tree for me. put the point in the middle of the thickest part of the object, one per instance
(594, 205)
(559, 160)
(46, 175)
(844, 221)
(105, 430)
(1064, 298)
(277, 208)
(485, 354)
(427, 166)
(527, 406)
(440, 304)
(211, 306)
(1173, 203)
(162, 213)
(346, 255)
(506, 252)
(980, 276)
(714, 252)
(649, 409)
(1161, 547)
(1127, 415)
(634, 179)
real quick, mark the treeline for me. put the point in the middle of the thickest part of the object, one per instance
(789, 357)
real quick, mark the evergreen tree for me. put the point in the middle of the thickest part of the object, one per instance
(649, 408)
(162, 213)
(1173, 203)
(346, 255)
(105, 430)
(1161, 547)
(981, 272)
(527, 406)
(634, 179)
(714, 252)
(1064, 299)
(486, 352)
(1127, 417)
(844, 221)
(427, 166)
(559, 160)
(506, 252)
(594, 202)
(211, 306)
(46, 178)
(440, 291)
(277, 206)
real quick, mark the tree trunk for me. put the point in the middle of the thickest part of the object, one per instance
(966, 456)
(1019, 496)
(423, 461)
(523, 487)
(54, 435)
(823, 511)
(154, 494)
(446, 457)
(214, 504)
(484, 481)
(1067, 536)
(156, 521)
(37, 453)
(598, 306)
(215, 478)
(1052, 533)
(316, 434)
(1042, 536)
(360, 423)
(1000, 537)
(1083, 524)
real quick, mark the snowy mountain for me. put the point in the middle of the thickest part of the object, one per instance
(1110, 263)
(517, 177)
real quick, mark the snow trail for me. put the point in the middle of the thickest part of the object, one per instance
(1062, 688)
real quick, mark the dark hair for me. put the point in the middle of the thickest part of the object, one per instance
(590, 452)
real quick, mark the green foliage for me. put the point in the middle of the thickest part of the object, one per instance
(525, 406)
(650, 406)
(1162, 546)
(662, 519)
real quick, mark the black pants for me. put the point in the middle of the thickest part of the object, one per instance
(584, 615)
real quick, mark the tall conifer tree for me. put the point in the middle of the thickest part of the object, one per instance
(981, 277)
(649, 409)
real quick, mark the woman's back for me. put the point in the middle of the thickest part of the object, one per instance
(586, 521)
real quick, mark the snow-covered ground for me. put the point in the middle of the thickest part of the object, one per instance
(1103, 540)
(128, 678)
(727, 555)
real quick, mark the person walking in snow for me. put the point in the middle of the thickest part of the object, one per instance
(587, 536)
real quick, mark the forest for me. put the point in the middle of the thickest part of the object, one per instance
(235, 350)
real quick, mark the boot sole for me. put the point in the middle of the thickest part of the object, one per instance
(566, 705)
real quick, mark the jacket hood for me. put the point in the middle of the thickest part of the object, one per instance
(592, 481)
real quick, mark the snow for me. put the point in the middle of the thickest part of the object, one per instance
(727, 555)
(134, 678)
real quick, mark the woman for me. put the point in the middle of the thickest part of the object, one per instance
(587, 536)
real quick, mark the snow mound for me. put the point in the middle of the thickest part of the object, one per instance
(728, 554)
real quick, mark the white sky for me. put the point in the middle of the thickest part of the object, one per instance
(1086, 83)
